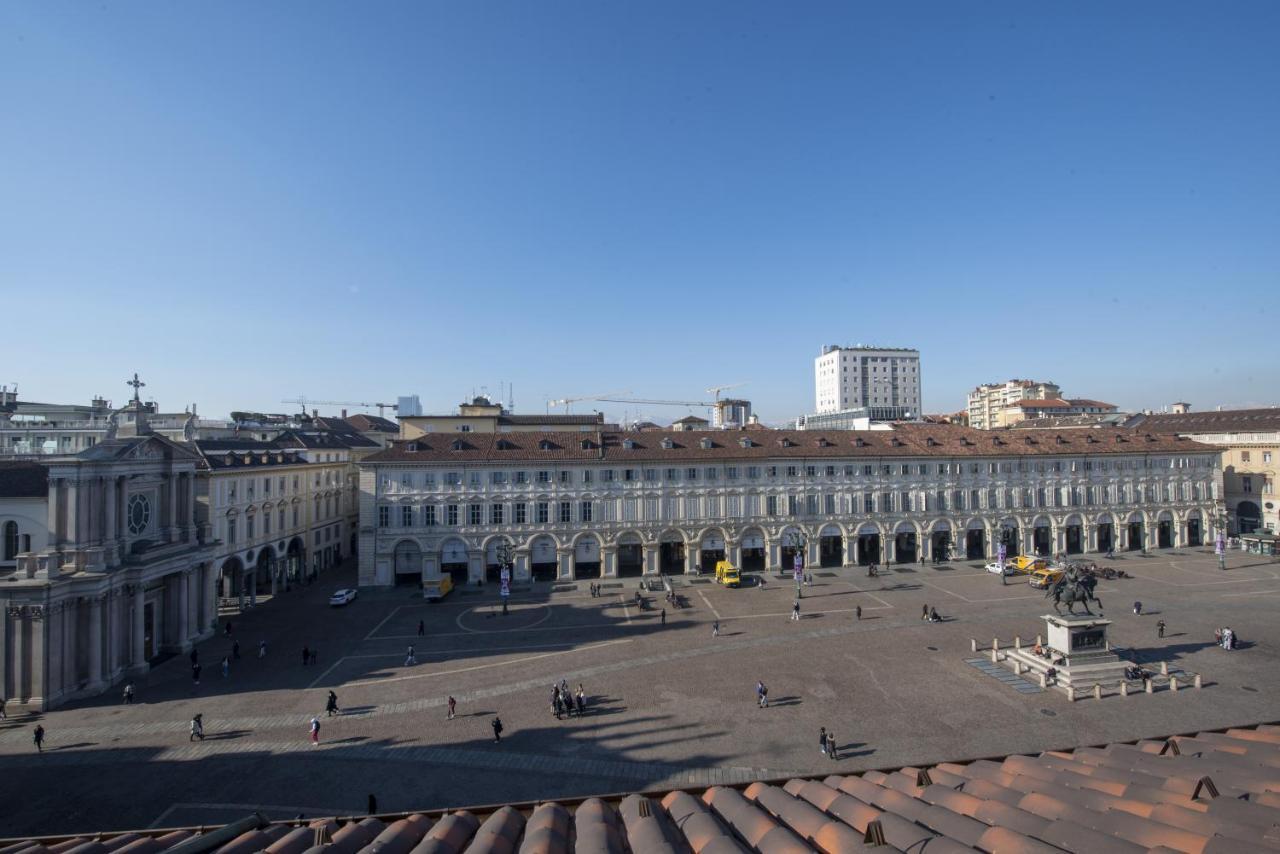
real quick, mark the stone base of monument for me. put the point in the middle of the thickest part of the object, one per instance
(1078, 650)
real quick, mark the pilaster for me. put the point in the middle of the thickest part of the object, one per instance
(95, 645)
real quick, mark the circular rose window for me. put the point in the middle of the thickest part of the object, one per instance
(139, 514)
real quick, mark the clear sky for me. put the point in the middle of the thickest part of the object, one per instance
(248, 201)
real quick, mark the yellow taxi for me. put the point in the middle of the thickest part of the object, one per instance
(1028, 563)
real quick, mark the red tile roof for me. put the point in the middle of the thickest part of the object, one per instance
(1211, 792)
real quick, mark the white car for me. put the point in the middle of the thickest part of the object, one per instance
(998, 568)
(342, 597)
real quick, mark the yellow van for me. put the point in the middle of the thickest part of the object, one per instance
(1043, 578)
(437, 588)
(1028, 563)
(727, 574)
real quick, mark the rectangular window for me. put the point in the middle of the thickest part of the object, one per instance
(868, 503)
(406, 516)
(691, 474)
(712, 474)
(651, 474)
(451, 514)
(793, 505)
(522, 513)
(429, 515)
(280, 521)
(495, 514)
(1266, 456)
(753, 472)
(793, 471)
(452, 478)
(543, 512)
(566, 511)
(565, 476)
(867, 471)
(771, 471)
(628, 475)
(544, 477)
(810, 471)
(522, 477)
(731, 473)
(497, 478)
(904, 501)
(831, 471)
(886, 502)
(1246, 485)
(266, 486)
(587, 476)
(1244, 456)
(474, 479)
(586, 511)
(673, 474)
(607, 475)
(829, 504)
(384, 516)
(771, 505)
(266, 523)
(849, 471)
(811, 505)
(475, 514)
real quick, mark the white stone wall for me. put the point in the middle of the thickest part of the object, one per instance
(31, 515)
(1017, 491)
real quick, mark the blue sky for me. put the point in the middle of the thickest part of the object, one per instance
(250, 201)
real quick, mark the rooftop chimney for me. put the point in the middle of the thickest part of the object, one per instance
(344, 413)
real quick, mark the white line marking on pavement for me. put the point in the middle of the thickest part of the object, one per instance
(821, 612)
(394, 611)
(948, 592)
(314, 811)
(484, 666)
(477, 608)
(709, 605)
(626, 612)
(1250, 593)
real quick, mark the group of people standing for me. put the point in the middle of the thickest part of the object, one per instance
(563, 701)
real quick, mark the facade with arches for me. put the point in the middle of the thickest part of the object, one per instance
(564, 505)
(281, 511)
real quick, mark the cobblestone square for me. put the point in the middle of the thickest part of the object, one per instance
(669, 704)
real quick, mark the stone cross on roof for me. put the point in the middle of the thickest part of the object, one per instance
(137, 384)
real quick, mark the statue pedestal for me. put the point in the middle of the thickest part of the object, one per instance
(1078, 650)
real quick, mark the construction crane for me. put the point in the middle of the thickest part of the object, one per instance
(304, 402)
(568, 402)
(716, 389)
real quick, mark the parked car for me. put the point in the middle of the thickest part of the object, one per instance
(436, 589)
(342, 597)
(998, 568)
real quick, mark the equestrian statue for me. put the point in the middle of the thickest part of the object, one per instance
(1074, 586)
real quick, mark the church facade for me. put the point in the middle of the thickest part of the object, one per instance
(126, 574)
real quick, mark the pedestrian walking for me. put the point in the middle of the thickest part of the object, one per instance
(1137, 608)
(762, 695)
(197, 728)
(581, 699)
(715, 629)
(857, 611)
(226, 666)
(331, 705)
(557, 707)
(227, 631)
(262, 649)
(822, 740)
(195, 674)
(38, 738)
(373, 805)
(664, 616)
(315, 656)
(1160, 628)
(128, 697)
(795, 610)
(422, 628)
(306, 656)
(453, 705)
(497, 729)
(235, 651)
(195, 656)
(924, 612)
(315, 731)
(832, 752)
(3, 716)
(410, 657)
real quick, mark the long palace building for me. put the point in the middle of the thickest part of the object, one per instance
(610, 504)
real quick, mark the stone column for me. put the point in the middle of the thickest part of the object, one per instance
(109, 495)
(188, 508)
(171, 533)
(252, 581)
(70, 626)
(565, 559)
(609, 562)
(52, 518)
(184, 611)
(72, 521)
(733, 553)
(95, 643)
(520, 572)
(856, 548)
(138, 657)
(39, 659)
(651, 555)
(775, 556)
(21, 656)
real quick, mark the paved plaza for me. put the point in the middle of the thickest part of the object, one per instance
(668, 705)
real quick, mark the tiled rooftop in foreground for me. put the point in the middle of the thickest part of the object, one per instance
(1209, 792)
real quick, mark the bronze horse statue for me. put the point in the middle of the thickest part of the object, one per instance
(1071, 588)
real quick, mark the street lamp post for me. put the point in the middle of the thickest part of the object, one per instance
(797, 541)
(503, 553)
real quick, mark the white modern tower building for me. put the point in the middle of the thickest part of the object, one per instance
(885, 381)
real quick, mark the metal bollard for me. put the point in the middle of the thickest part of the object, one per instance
(1097, 690)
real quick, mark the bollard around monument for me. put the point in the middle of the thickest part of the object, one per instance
(1164, 668)
(995, 643)
(1173, 683)
(1039, 640)
(1071, 693)
(1017, 642)
(1124, 688)
(1147, 683)
(1017, 667)
(995, 656)
(973, 644)
(1044, 681)
(1097, 690)
(1197, 681)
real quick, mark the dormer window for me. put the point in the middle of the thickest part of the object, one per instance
(667, 444)
(1059, 440)
(859, 442)
(745, 441)
(586, 444)
(786, 443)
(457, 445)
(629, 444)
(705, 442)
(545, 445)
(931, 442)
